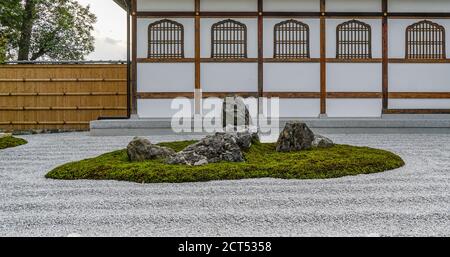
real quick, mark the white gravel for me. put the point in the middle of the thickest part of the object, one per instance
(411, 201)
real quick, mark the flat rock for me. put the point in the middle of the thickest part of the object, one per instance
(141, 149)
(322, 142)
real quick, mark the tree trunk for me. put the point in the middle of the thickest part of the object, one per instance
(27, 28)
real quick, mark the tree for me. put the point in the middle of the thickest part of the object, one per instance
(42, 29)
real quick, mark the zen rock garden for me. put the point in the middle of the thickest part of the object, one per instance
(236, 153)
(228, 146)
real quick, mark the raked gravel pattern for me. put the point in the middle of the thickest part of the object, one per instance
(411, 201)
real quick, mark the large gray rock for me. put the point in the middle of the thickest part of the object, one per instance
(322, 142)
(213, 149)
(296, 136)
(235, 113)
(140, 149)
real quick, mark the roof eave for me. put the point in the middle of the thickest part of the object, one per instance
(123, 3)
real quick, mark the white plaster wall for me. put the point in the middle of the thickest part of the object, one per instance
(165, 77)
(229, 77)
(375, 24)
(419, 77)
(419, 6)
(291, 5)
(229, 5)
(296, 107)
(397, 30)
(252, 35)
(314, 33)
(160, 108)
(345, 108)
(354, 77)
(353, 6)
(165, 5)
(295, 77)
(142, 36)
(419, 103)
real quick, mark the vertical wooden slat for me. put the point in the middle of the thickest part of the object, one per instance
(323, 65)
(385, 56)
(260, 49)
(134, 58)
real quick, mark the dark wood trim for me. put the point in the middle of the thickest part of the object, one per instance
(385, 55)
(323, 56)
(302, 95)
(322, 13)
(166, 60)
(368, 60)
(416, 111)
(133, 110)
(172, 95)
(229, 60)
(292, 60)
(431, 61)
(197, 59)
(260, 48)
(419, 95)
(354, 95)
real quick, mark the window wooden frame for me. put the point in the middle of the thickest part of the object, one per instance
(291, 40)
(229, 40)
(354, 40)
(425, 40)
(166, 40)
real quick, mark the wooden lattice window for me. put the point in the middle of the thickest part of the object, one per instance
(291, 40)
(165, 39)
(425, 40)
(229, 39)
(353, 40)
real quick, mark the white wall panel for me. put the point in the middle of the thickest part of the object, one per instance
(419, 6)
(397, 34)
(229, 5)
(356, 108)
(353, 6)
(296, 107)
(314, 33)
(354, 77)
(419, 103)
(160, 108)
(142, 36)
(229, 77)
(295, 77)
(165, 77)
(165, 5)
(291, 5)
(419, 77)
(252, 32)
(375, 24)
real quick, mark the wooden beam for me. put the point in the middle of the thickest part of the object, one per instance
(323, 56)
(198, 86)
(260, 48)
(134, 58)
(417, 111)
(385, 55)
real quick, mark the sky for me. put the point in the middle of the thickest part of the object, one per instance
(110, 30)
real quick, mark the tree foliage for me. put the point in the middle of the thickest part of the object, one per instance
(41, 29)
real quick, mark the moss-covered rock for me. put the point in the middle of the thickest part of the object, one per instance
(262, 161)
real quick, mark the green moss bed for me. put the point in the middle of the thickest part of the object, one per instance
(8, 142)
(262, 161)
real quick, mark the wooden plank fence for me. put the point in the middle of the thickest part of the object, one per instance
(60, 97)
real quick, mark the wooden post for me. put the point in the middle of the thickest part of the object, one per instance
(385, 49)
(198, 86)
(323, 64)
(260, 49)
(134, 58)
